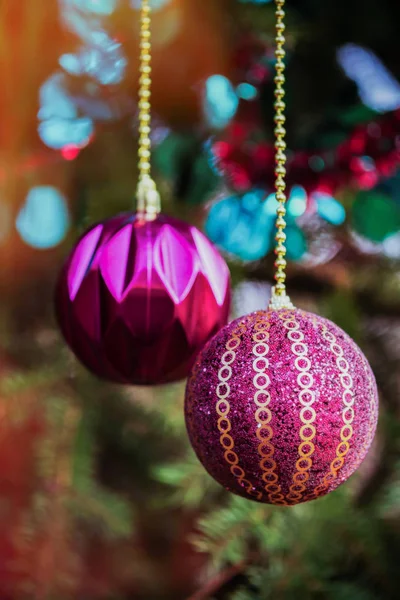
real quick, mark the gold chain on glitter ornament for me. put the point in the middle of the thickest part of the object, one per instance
(148, 198)
(279, 297)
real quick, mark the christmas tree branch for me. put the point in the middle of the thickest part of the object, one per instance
(211, 587)
(385, 368)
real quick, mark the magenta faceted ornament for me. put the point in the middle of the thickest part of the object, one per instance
(137, 300)
(281, 406)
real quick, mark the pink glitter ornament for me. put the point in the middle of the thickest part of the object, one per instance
(281, 406)
(137, 300)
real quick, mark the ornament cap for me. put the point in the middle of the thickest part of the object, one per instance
(148, 199)
(279, 301)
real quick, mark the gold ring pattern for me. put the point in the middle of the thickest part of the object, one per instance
(306, 397)
(223, 408)
(263, 414)
(348, 414)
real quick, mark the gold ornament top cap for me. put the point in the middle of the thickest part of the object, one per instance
(279, 298)
(148, 198)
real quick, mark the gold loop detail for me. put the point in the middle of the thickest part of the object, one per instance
(223, 409)
(263, 415)
(222, 427)
(348, 414)
(227, 370)
(262, 394)
(306, 396)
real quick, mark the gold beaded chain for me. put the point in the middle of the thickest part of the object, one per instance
(279, 297)
(148, 198)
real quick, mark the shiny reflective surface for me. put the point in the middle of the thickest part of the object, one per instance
(136, 301)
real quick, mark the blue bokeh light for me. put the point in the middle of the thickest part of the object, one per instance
(93, 103)
(271, 204)
(297, 203)
(155, 4)
(97, 7)
(54, 99)
(296, 243)
(84, 18)
(329, 208)
(245, 225)
(56, 133)
(241, 226)
(246, 91)
(220, 101)
(103, 60)
(377, 87)
(60, 124)
(43, 221)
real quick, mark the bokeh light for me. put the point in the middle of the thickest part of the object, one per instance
(246, 91)
(377, 87)
(60, 124)
(391, 246)
(70, 152)
(271, 204)
(103, 60)
(220, 101)
(44, 220)
(297, 202)
(296, 243)
(96, 102)
(375, 215)
(84, 18)
(329, 208)
(155, 4)
(241, 225)
(98, 7)
(249, 296)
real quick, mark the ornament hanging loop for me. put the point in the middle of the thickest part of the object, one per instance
(148, 199)
(279, 297)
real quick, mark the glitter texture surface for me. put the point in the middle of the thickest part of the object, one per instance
(281, 406)
(137, 300)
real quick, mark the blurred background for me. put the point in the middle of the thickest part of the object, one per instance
(101, 496)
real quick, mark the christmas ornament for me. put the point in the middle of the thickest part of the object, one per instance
(141, 293)
(281, 405)
(137, 299)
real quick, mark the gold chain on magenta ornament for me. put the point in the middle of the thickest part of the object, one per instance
(279, 298)
(148, 198)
